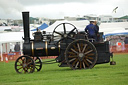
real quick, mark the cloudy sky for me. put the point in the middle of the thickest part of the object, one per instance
(59, 8)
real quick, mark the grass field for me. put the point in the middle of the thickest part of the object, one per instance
(51, 74)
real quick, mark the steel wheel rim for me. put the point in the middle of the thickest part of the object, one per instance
(81, 54)
(24, 64)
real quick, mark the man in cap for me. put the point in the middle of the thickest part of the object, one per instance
(91, 30)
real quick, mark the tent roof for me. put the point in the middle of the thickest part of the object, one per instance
(108, 28)
(12, 37)
(42, 27)
(111, 27)
(116, 33)
(17, 36)
(124, 17)
(80, 25)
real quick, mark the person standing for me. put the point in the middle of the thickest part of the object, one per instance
(97, 32)
(91, 30)
(17, 47)
(97, 27)
(126, 40)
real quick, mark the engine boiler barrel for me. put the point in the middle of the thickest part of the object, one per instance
(40, 49)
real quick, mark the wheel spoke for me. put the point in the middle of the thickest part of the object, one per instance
(25, 70)
(71, 31)
(89, 61)
(88, 52)
(36, 68)
(75, 48)
(86, 62)
(84, 48)
(74, 51)
(87, 48)
(80, 65)
(77, 64)
(72, 60)
(29, 63)
(92, 54)
(73, 56)
(81, 46)
(25, 60)
(20, 68)
(78, 47)
(64, 28)
(71, 53)
(18, 65)
(22, 60)
(19, 62)
(83, 65)
(91, 58)
(38, 64)
(58, 33)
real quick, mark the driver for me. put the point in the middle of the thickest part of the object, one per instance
(91, 30)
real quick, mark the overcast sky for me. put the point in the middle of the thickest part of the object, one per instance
(11, 9)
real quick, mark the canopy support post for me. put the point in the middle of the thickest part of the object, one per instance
(1, 52)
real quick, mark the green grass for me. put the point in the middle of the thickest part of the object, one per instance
(51, 74)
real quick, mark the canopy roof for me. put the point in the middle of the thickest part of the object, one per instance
(12, 37)
(42, 27)
(113, 27)
(117, 33)
(107, 28)
(124, 17)
(80, 25)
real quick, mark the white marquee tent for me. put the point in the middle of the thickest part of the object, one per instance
(11, 37)
(80, 25)
(113, 27)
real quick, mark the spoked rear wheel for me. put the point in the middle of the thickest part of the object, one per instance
(24, 64)
(81, 54)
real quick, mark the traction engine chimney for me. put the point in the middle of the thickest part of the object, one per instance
(25, 16)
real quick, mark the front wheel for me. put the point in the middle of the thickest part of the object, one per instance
(24, 64)
(38, 63)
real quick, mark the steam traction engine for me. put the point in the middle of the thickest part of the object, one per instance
(72, 49)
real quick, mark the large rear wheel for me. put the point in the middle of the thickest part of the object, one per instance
(81, 54)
